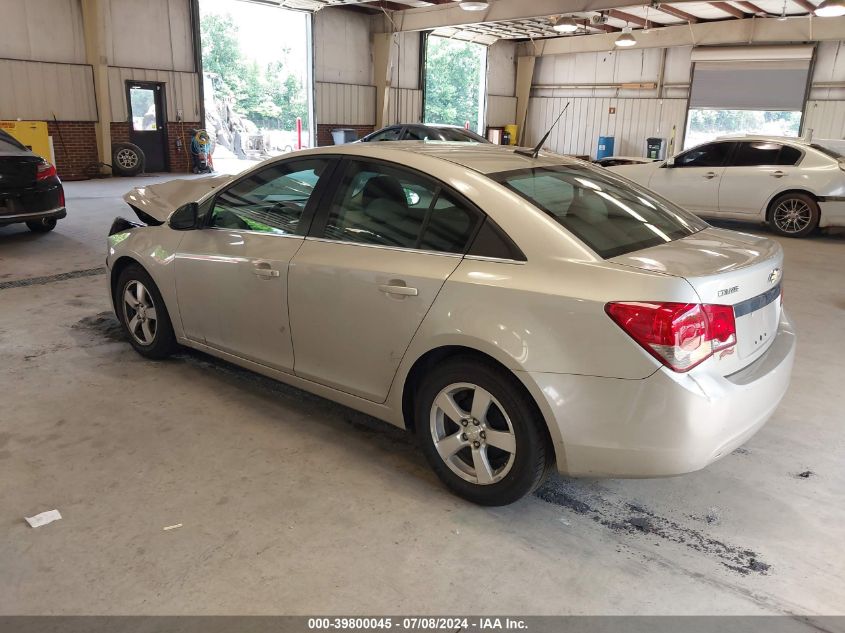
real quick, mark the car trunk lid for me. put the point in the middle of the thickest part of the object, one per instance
(726, 268)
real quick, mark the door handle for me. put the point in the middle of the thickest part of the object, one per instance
(404, 291)
(710, 174)
(777, 174)
(263, 270)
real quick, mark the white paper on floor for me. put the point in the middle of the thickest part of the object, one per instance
(44, 518)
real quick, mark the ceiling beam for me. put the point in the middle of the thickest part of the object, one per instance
(749, 30)
(633, 19)
(451, 14)
(752, 7)
(385, 4)
(672, 10)
(606, 28)
(809, 7)
(729, 9)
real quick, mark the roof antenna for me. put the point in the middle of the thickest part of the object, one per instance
(533, 153)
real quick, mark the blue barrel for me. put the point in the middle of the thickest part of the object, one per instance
(605, 147)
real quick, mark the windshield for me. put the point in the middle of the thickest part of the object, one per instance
(458, 134)
(8, 143)
(610, 215)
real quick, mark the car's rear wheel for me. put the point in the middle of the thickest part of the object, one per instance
(44, 225)
(143, 314)
(480, 432)
(794, 215)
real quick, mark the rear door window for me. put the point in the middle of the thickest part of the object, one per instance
(609, 215)
(390, 134)
(382, 205)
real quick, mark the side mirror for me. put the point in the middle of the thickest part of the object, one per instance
(185, 217)
(670, 162)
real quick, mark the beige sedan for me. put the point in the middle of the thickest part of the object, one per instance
(517, 313)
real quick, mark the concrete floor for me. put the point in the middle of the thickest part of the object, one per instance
(290, 504)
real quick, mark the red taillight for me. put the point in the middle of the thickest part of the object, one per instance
(679, 335)
(45, 171)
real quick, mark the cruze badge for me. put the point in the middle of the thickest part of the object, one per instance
(728, 291)
(774, 275)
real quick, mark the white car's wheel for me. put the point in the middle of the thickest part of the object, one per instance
(481, 433)
(794, 215)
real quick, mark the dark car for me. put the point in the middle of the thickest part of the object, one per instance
(419, 132)
(30, 190)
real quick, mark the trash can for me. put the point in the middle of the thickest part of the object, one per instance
(343, 135)
(512, 129)
(605, 147)
(655, 148)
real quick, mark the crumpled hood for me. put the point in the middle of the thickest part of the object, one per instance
(157, 202)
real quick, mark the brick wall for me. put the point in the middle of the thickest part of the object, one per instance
(180, 158)
(119, 131)
(75, 148)
(324, 132)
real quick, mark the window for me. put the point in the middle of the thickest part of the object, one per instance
(609, 215)
(390, 134)
(460, 135)
(709, 155)
(9, 143)
(271, 201)
(382, 205)
(416, 134)
(757, 153)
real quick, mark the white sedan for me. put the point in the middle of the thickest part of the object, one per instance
(793, 185)
(516, 312)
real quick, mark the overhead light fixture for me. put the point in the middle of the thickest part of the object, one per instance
(474, 6)
(626, 38)
(565, 25)
(831, 9)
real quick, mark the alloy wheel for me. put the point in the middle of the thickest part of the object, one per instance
(472, 433)
(126, 158)
(140, 312)
(792, 215)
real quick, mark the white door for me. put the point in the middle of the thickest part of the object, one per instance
(756, 172)
(232, 275)
(361, 287)
(692, 182)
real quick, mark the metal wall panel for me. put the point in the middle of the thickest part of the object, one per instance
(149, 34)
(342, 48)
(588, 118)
(404, 106)
(181, 92)
(500, 110)
(347, 104)
(42, 30)
(40, 90)
(825, 118)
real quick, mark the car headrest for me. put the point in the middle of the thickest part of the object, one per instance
(383, 188)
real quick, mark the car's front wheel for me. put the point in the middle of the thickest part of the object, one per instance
(481, 432)
(142, 313)
(794, 215)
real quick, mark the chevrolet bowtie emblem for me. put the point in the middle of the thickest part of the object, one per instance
(774, 275)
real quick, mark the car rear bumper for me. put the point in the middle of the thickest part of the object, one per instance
(832, 212)
(666, 424)
(57, 213)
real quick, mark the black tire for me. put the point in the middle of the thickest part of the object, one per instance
(127, 159)
(532, 457)
(44, 225)
(163, 340)
(794, 214)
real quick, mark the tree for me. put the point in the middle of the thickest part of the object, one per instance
(452, 75)
(270, 97)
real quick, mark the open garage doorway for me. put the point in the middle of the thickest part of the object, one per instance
(455, 82)
(256, 81)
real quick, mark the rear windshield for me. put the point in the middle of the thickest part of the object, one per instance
(8, 143)
(833, 152)
(610, 215)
